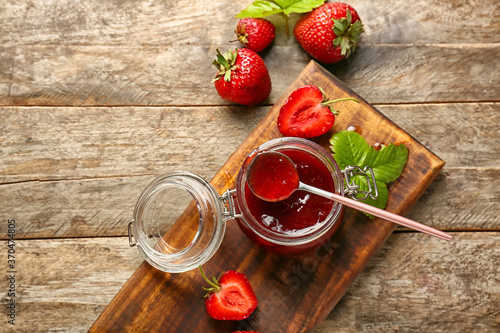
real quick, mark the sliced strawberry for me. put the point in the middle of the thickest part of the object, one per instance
(306, 113)
(230, 297)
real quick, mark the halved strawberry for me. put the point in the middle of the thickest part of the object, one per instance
(231, 297)
(306, 113)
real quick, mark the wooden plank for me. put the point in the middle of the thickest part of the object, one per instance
(413, 283)
(153, 75)
(53, 143)
(76, 143)
(417, 285)
(459, 199)
(296, 307)
(464, 135)
(94, 150)
(212, 22)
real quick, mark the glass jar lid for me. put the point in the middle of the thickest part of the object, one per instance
(178, 222)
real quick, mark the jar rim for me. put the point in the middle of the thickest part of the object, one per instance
(204, 244)
(279, 238)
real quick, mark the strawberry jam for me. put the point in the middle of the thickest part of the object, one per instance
(272, 176)
(300, 210)
(304, 220)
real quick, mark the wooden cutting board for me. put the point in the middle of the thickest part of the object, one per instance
(294, 295)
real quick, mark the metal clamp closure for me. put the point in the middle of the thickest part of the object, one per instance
(352, 190)
(228, 208)
(130, 241)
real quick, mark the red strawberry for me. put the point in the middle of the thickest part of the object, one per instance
(242, 78)
(306, 113)
(330, 33)
(230, 297)
(255, 33)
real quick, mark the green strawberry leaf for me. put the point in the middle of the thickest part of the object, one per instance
(260, 8)
(302, 6)
(383, 193)
(263, 8)
(389, 163)
(350, 148)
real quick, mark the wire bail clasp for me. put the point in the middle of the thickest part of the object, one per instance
(352, 190)
(130, 241)
(228, 208)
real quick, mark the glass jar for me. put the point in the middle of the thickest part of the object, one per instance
(266, 231)
(180, 218)
(178, 222)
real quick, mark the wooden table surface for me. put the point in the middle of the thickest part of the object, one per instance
(99, 97)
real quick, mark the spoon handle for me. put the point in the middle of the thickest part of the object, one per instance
(377, 212)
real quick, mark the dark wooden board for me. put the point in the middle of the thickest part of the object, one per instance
(295, 295)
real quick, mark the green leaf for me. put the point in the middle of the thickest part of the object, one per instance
(302, 6)
(283, 3)
(222, 60)
(350, 148)
(260, 8)
(383, 193)
(263, 8)
(227, 76)
(389, 163)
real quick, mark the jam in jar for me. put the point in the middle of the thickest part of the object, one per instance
(180, 218)
(304, 220)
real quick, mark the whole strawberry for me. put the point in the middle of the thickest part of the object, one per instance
(330, 33)
(255, 33)
(242, 78)
(306, 113)
(230, 297)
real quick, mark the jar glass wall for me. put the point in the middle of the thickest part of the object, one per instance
(261, 221)
(178, 223)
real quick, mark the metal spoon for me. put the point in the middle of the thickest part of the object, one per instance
(284, 181)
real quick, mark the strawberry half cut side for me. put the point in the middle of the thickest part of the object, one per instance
(230, 297)
(307, 113)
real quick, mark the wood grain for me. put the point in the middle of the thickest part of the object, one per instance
(85, 183)
(464, 135)
(413, 283)
(134, 307)
(45, 143)
(176, 23)
(460, 199)
(150, 75)
(71, 172)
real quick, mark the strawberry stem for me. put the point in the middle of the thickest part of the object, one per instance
(286, 25)
(339, 100)
(214, 284)
(337, 112)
